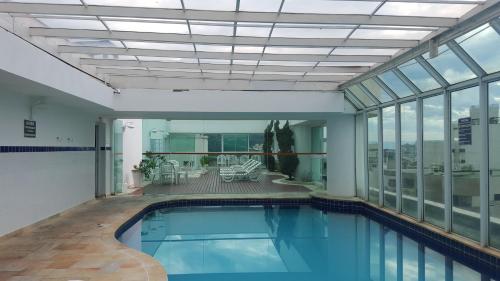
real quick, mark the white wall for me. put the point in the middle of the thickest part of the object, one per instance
(36, 185)
(132, 148)
(341, 153)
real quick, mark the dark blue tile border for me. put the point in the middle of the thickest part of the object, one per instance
(24, 149)
(466, 254)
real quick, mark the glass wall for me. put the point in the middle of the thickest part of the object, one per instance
(494, 160)
(360, 156)
(465, 161)
(235, 142)
(373, 157)
(117, 156)
(389, 156)
(433, 159)
(409, 158)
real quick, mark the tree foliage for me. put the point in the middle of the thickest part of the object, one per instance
(288, 161)
(268, 147)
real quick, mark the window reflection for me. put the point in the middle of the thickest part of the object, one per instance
(356, 90)
(466, 157)
(373, 162)
(409, 158)
(389, 156)
(376, 90)
(419, 76)
(450, 66)
(494, 158)
(482, 45)
(433, 159)
(396, 85)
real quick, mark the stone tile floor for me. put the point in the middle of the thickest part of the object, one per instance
(79, 244)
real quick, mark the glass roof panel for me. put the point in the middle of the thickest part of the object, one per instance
(171, 4)
(213, 48)
(395, 84)
(165, 59)
(215, 61)
(356, 90)
(157, 27)
(389, 34)
(331, 74)
(450, 66)
(482, 45)
(72, 23)
(245, 62)
(310, 32)
(219, 71)
(252, 31)
(260, 5)
(297, 51)
(330, 7)
(176, 69)
(94, 42)
(376, 90)
(159, 46)
(288, 63)
(419, 76)
(241, 71)
(219, 5)
(362, 51)
(278, 73)
(224, 30)
(425, 9)
(355, 63)
(77, 2)
(248, 49)
(113, 57)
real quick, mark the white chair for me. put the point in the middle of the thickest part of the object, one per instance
(249, 172)
(244, 159)
(167, 172)
(232, 160)
(221, 161)
(256, 158)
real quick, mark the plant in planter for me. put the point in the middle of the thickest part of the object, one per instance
(204, 161)
(146, 168)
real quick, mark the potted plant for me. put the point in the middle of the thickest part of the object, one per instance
(204, 161)
(145, 168)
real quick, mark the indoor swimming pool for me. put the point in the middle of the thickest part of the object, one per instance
(297, 243)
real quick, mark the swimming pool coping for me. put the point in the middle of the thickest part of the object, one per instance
(472, 254)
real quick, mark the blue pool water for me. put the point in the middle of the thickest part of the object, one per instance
(286, 243)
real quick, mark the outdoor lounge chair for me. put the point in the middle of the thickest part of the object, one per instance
(238, 167)
(248, 172)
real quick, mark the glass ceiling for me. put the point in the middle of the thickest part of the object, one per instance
(469, 56)
(315, 43)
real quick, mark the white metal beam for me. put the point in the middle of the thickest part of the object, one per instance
(239, 76)
(217, 55)
(221, 85)
(226, 16)
(217, 39)
(179, 65)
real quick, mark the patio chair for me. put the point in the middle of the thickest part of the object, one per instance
(250, 172)
(244, 159)
(232, 160)
(167, 172)
(238, 167)
(221, 161)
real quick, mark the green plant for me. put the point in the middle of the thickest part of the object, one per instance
(147, 165)
(268, 147)
(288, 160)
(204, 160)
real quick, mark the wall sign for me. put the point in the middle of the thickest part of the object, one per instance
(29, 129)
(465, 131)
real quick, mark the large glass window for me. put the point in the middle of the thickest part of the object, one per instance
(466, 158)
(419, 76)
(376, 90)
(450, 66)
(433, 159)
(214, 142)
(389, 156)
(255, 142)
(235, 142)
(373, 163)
(356, 90)
(409, 158)
(494, 158)
(396, 85)
(482, 45)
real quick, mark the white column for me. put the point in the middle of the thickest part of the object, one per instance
(341, 155)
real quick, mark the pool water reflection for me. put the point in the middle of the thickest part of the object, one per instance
(286, 243)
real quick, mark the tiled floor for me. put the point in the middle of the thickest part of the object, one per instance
(211, 183)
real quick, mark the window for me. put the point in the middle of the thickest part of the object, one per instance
(465, 161)
(214, 142)
(376, 90)
(389, 156)
(419, 76)
(409, 158)
(396, 85)
(494, 173)
(373, 162)
(482, 45)
(360, 157)
(450, 66)
(235, 142)
(255, 142)
(433, 159)
(358, 92)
